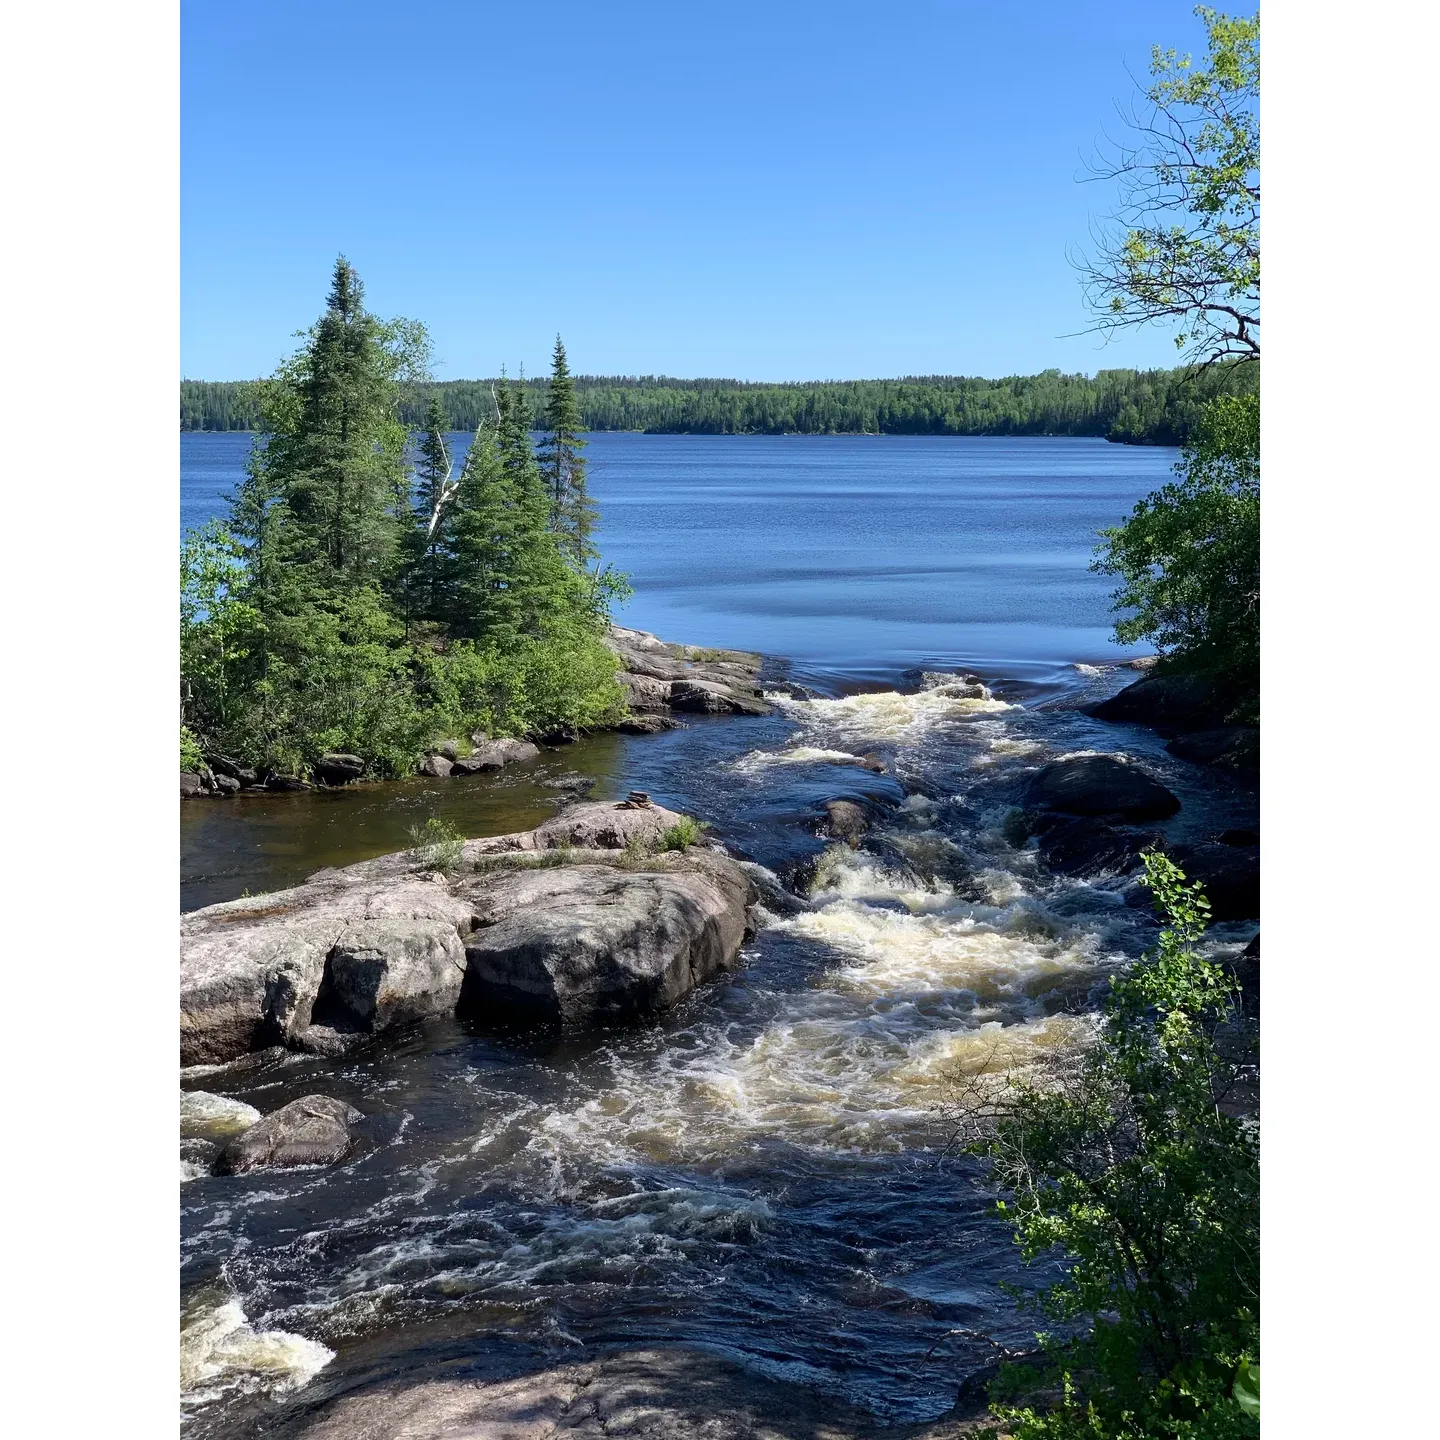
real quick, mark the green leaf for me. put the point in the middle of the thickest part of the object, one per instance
(1247, 1388)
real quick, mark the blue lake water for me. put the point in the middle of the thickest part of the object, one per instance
(853, 555)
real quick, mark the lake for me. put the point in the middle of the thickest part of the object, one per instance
(850, 555)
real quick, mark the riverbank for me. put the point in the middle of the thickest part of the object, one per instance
(659, 680)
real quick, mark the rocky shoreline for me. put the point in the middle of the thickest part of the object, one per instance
(660, 680)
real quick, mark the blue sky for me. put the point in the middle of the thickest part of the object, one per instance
(775, 191)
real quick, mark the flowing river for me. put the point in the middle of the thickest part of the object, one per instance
(765, 1173)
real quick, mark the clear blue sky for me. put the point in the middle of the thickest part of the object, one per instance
(769, 191)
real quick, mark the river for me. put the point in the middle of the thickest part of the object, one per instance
(765, 1173)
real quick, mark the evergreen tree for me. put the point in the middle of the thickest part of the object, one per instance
(572, 512)
(425, 551)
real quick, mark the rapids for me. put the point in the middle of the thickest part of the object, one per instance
(766, 1172)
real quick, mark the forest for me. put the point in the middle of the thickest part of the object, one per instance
(1139, 407)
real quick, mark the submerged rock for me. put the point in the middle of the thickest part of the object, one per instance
(845, 820)
(314, 1130)
(1087, 848)
(1099, 785)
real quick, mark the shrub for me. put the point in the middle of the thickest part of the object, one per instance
(438, 845)
(1130, 1171)
(190, 757)
(684, 833)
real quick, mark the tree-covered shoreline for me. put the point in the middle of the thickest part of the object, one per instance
(1145, 407)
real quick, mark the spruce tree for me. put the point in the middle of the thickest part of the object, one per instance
(572, 512)
(425, 549)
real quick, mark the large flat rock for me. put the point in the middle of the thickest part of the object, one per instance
(573, 926)
(658, 676)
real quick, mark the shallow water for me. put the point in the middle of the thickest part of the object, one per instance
(767, 1171)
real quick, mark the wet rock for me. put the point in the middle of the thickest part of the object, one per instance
(1242, 838)
(1099, 785)
(450, 749)
(1168, 700)
(771, 890)
(706, 697)
(1087, 848)
(226, 785)
(872, 761)
(198, 1157)
(326, 1040)
(206, 1116)
(586, 944)
(437, 766)
(654, 1394)
(1204, 747)
(287, 782)
(645, 724)
(190, 784)
(1246, 970)
(1229, 874)
(845, 820)
(224, 765)
(564, 735)
(314, 1130)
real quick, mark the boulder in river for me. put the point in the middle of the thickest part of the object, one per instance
(496, 755)
(1099, 785)
(706, 697)
(1230, 875)
(586, 944)
(1168, 700)
(314, 1130)
(335, 768)
(437, 766)
(190, 784)
(645, 724)
(845, 820)
(226, 785)
(1084, 847)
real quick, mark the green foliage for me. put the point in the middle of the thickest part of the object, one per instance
(1155, 407)
(572, 512)
(191, 757)
(1185, 245)
(437, 844)
(1189, 555)
(347, 607)
(684, 833)
(1131, 1170)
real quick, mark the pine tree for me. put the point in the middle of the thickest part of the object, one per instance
(572, 512)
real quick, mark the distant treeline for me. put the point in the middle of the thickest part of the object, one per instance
(1140, 407)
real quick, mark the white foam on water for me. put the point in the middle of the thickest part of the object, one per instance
(1084, 669)
(207, 1116)
(887, 715)
(758, 760)
(222, 1353)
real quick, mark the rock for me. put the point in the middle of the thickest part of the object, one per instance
(437, 766)
(845, 820)
(771, 890)
(651, 1394)
(1087, 848)
(1243, 838)
(586, 944)
(287, 782)
(604, 825)
(479, 738)
(197, 1158)
(495, 755)
(1229, 874)
(450, 749)
(564, 735)
(251, 970)
(338, 769)
(1168, 700)
(644, 692)
(223, 765)
(645, 724)
(1246, 969)
(314, 1130)
(205, 1116)
(1099, 785)
(190, 784)
(708, 698)
(226, 785)
(1204, 747)
(873, 761)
